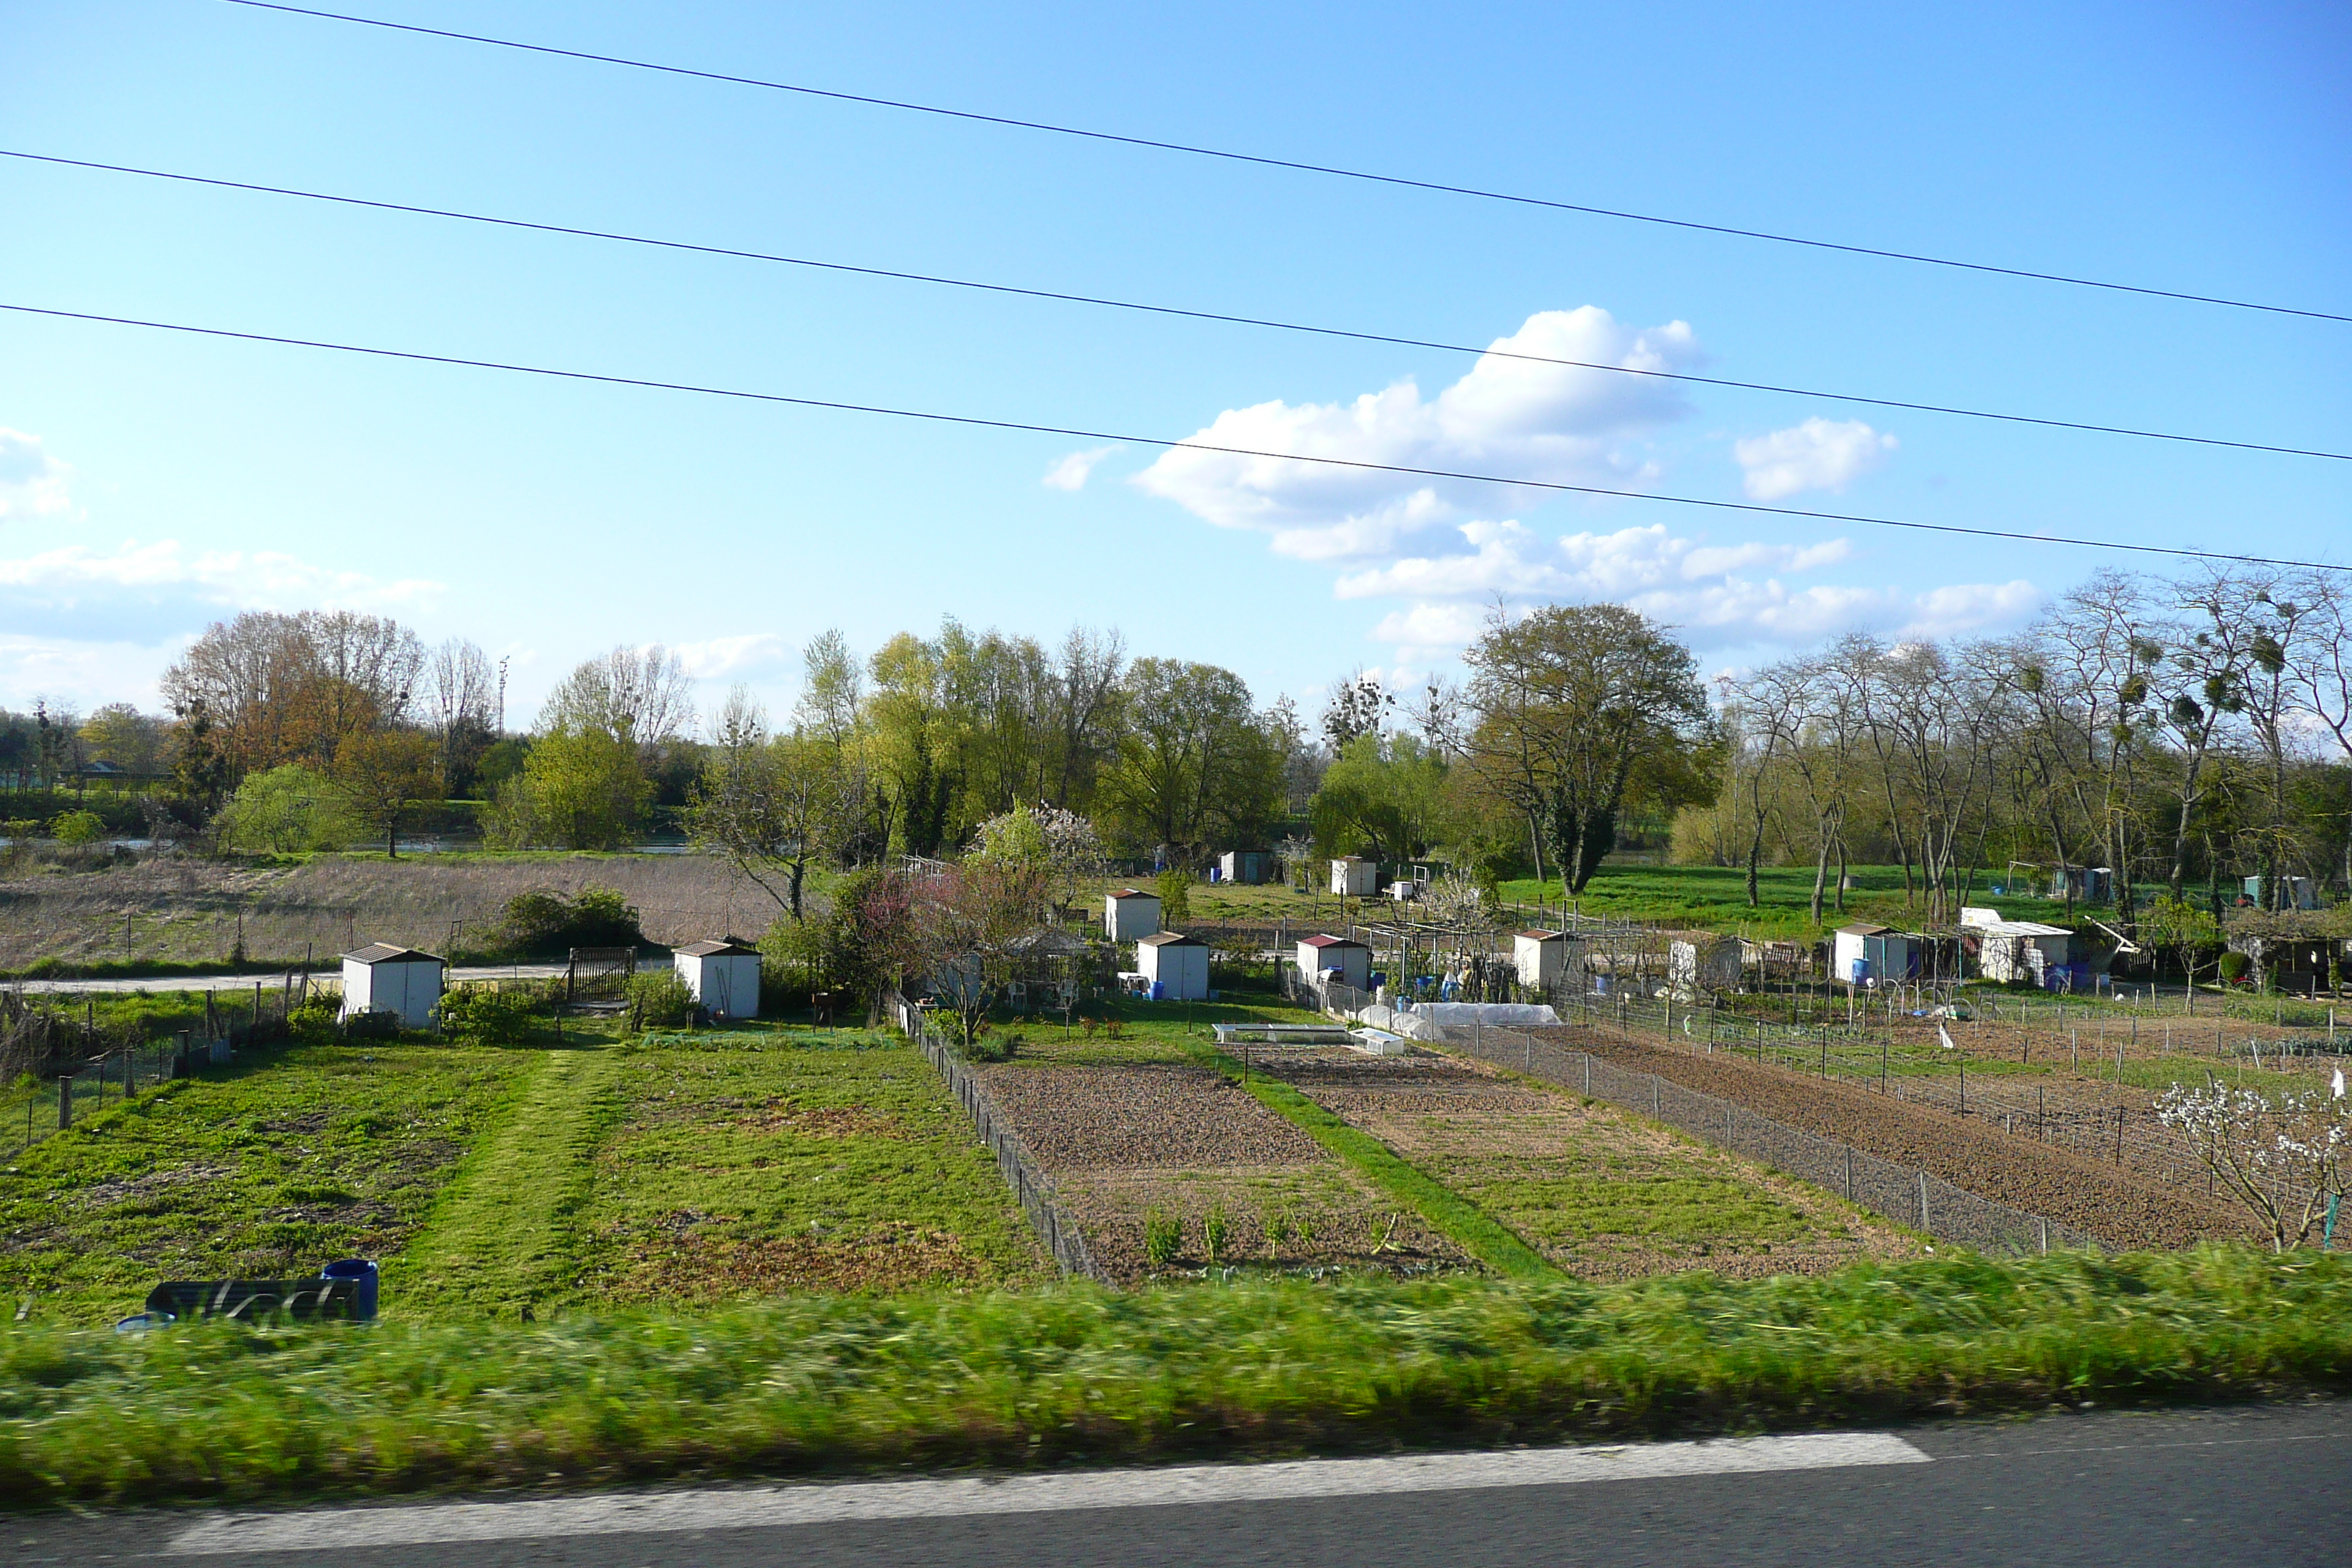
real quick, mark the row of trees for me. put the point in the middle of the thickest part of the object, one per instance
(2177, 732)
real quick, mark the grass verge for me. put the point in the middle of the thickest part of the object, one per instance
(296, 1155)
(1463, 1221)
(503, 1238)
(1074, 1375)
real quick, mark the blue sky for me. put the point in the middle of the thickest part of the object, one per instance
(150, 484)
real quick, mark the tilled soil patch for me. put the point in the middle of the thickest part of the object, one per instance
(1286, 1217)
(1184, 1147)
(2119, 1208)
(1076, 1119)
(1603, 1195)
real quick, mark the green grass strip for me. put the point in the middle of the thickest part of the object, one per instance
(1075, 1375)
(502, 1237)
(1455, 1216)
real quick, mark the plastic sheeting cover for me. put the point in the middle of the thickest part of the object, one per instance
(1461, 1014)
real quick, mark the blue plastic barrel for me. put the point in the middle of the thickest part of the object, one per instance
(363, 1275)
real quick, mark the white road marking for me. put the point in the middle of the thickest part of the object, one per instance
(748, 1508)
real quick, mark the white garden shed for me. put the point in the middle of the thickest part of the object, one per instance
(1542, 957)
(1174, 966)
(1130, 914)
(723, 976)
(1319, 955)
(1354, 876)
(382, 978)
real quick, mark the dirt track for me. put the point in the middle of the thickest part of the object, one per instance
(2118, 1207)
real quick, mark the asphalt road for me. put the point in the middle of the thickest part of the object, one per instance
(2269, 1486)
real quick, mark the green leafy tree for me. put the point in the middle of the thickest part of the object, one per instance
(1385, 793)
(1581, 708)
(1197, 768)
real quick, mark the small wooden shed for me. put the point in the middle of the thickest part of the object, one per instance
(1864, 953)
(2010, 950)
(382, 978)
(1130, 914)
(1354, 876)
(723, 976)
(1701, 963)
(1175, 966)
(1542, 957)
(1320, 956)
(1248, 867)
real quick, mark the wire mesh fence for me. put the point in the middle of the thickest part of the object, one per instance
(1904, 1194)
(2077, 1116)
(1064, 1242)
(87, 1068)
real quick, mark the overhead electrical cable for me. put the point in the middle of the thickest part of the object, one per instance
(1067, 298)
(1294, 164)
(1172, 443)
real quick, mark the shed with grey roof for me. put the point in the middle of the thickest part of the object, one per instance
(382, 978)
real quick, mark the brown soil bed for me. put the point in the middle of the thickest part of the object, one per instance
(2118, 1206)
(1075, 1118)
(1125, 1145)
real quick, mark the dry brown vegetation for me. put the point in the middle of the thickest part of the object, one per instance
(186, 910)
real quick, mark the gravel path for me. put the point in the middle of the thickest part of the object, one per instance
(2118, 1207)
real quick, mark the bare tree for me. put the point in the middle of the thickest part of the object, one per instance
(770, 805)
(638, 695)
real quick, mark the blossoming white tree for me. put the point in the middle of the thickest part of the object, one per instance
(2282, 1157)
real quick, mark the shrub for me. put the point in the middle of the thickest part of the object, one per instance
(315, 1021)
(488, 1015)
(2233, 967)
(285, 809)
(550, 922)
(659, 1000)
(1174, 888)
(1162, 1235)
(1216, 1231)
(78, 828)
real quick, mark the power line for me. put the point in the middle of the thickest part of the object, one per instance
(1173, 444)
(1272, 163)
(1115, 304)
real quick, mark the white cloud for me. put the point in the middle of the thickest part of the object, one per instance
(32, 482)
(1508, 558)
(1817, 455)
(148, 593)
(1070, 473)
(84, 673)
(718, 657)
(1970, 607)
(1549, 422)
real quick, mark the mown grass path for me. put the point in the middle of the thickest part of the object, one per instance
(1457, 1217)
(504, 1237)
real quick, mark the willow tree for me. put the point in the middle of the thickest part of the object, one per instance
(1581, 708)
